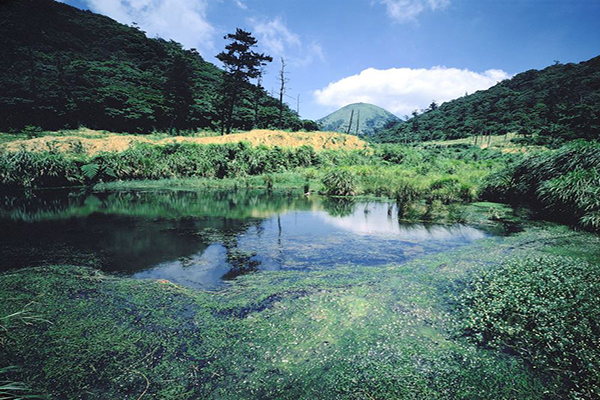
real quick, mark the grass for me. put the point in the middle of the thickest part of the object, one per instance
(351, 332)
(505, 143)
(9, 388)
(487, 321)
(281, 181)
(88, 142)
(563, 184)
(436, 174)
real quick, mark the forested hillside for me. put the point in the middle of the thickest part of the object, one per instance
(63, 67)
(558, 103)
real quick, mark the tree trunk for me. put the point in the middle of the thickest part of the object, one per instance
(350, 123)
(282, 81)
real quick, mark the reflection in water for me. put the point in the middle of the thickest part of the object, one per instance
(205, 268)
(200, 238)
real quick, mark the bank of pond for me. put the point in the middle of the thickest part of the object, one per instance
(563, 183)
(272, 293)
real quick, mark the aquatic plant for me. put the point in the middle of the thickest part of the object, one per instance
(340, 182)
(9, 388)
(545, 309)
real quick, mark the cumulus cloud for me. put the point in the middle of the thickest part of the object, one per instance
(184, 21)
(279, 41)
(408, 10)
(402, 90)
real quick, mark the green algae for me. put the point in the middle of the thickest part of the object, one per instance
(350, 332)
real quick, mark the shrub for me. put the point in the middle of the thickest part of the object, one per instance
(564, 183)
(406, 192)
(32, 131)
(339, 182)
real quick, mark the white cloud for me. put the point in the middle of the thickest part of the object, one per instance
(184, 21)
(279, 41)
(402, 90)
(408, 10)
(241, 4)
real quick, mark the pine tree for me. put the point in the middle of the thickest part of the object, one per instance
(241, 64)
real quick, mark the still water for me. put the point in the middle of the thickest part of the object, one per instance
(202, 239)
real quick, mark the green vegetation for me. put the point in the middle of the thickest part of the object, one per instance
(340, 183)
(351, 332)
(545, 309)
(438, 173)
(241, 64)
(9, 389)
(366, 119)
(88, 70)
(505, 317)
(563, 184)
(549, 107)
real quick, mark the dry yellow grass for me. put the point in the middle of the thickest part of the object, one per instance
(93, 142)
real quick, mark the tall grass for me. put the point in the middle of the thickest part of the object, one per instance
(340, 182)
(564, 183)
(9, 388)
(446, 174)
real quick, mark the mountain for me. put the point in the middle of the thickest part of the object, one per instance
(558, 103)
(368, 117)
(63, 67)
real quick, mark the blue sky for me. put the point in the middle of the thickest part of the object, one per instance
(398, 54)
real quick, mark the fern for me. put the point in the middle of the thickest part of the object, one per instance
(90, 170)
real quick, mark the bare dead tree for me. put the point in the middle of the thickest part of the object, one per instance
(357, 122)
(350, 123)
(282, 87)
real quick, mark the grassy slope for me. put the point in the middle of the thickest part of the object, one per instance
(352, 332)
(90, 142)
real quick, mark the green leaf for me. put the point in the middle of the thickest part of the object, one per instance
(90, 170)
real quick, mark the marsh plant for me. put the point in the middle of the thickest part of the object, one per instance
(545, 309)
(340, 182)
(563, 184)
(11, 389)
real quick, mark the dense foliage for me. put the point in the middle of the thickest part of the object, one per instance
(563, 184)
(546, 310)
(437, 173)
(340, 183)
(559, 103)
(46, 169)
(63, 68)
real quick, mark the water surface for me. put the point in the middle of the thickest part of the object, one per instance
(201, 239)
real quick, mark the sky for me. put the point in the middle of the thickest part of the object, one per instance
(398, 54)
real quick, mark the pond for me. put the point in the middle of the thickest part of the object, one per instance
(202, 239)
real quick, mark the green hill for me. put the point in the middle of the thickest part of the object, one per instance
(63, 68)
(558, 103)
(366, 119)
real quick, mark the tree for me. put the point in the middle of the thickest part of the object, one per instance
(241, 64)
(433, 106)
(282, 89)
(178, 89)
(350, 123)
